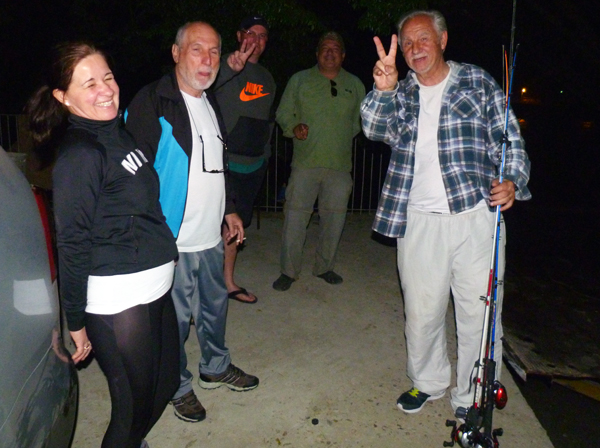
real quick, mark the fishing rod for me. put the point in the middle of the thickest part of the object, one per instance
(477, 431)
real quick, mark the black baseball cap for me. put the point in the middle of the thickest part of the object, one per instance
(250, 21)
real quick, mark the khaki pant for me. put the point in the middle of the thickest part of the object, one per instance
(333, 189)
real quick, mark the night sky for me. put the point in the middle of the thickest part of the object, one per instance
(558, 58)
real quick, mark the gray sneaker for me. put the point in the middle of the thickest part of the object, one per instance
(188, 408)
(233, 377)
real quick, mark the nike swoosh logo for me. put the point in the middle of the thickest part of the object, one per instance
(246, 97)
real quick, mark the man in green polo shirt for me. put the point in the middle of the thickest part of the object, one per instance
(319, 109)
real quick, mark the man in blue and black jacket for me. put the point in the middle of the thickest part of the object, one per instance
(178, 125)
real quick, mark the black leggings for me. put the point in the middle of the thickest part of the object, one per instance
(138, 351)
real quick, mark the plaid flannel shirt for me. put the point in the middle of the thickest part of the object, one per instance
(470, 134)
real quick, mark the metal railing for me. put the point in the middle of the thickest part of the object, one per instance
(369, 166)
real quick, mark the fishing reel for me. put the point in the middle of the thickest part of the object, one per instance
(472, 433)
(472, 437)
(500, 395)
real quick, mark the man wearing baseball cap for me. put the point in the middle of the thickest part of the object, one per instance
(245, 93)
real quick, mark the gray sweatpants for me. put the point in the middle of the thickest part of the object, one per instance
(199, 292)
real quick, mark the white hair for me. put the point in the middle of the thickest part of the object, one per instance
(439, 23)
(183, 28)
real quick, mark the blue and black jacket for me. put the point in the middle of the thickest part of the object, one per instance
(159, 121)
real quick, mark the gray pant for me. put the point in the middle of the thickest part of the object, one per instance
(199, 292)
(333, 189)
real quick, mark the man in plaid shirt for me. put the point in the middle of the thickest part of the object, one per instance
(444, 123)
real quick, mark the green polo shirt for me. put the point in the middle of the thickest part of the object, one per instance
(333, 121)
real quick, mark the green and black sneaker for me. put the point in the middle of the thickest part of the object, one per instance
(412, 401)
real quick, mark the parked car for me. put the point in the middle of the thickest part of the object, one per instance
(38, 381)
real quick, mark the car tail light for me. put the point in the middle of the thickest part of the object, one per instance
(41, 198)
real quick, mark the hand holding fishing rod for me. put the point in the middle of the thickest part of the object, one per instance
(502, 194)
(477, 430)
(445, 125)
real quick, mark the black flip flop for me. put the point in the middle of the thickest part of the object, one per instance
(234, 295)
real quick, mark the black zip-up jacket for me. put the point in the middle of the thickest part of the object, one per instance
(158, 119)
(108, 218)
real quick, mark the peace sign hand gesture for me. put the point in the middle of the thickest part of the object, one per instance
(385, 73)
(237, 59)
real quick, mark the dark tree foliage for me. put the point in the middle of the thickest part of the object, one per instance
(139, 33)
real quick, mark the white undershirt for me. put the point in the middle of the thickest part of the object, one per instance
(427, 192)
(205, 203)
(112, 294)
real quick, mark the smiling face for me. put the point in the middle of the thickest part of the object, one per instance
(93, 92)
(258, 35)
(423, 50)
(197, 58)
(330, 56)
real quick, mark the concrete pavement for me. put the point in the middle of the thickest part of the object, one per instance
(331, 362)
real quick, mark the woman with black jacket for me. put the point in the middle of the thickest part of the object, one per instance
(116, 252)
